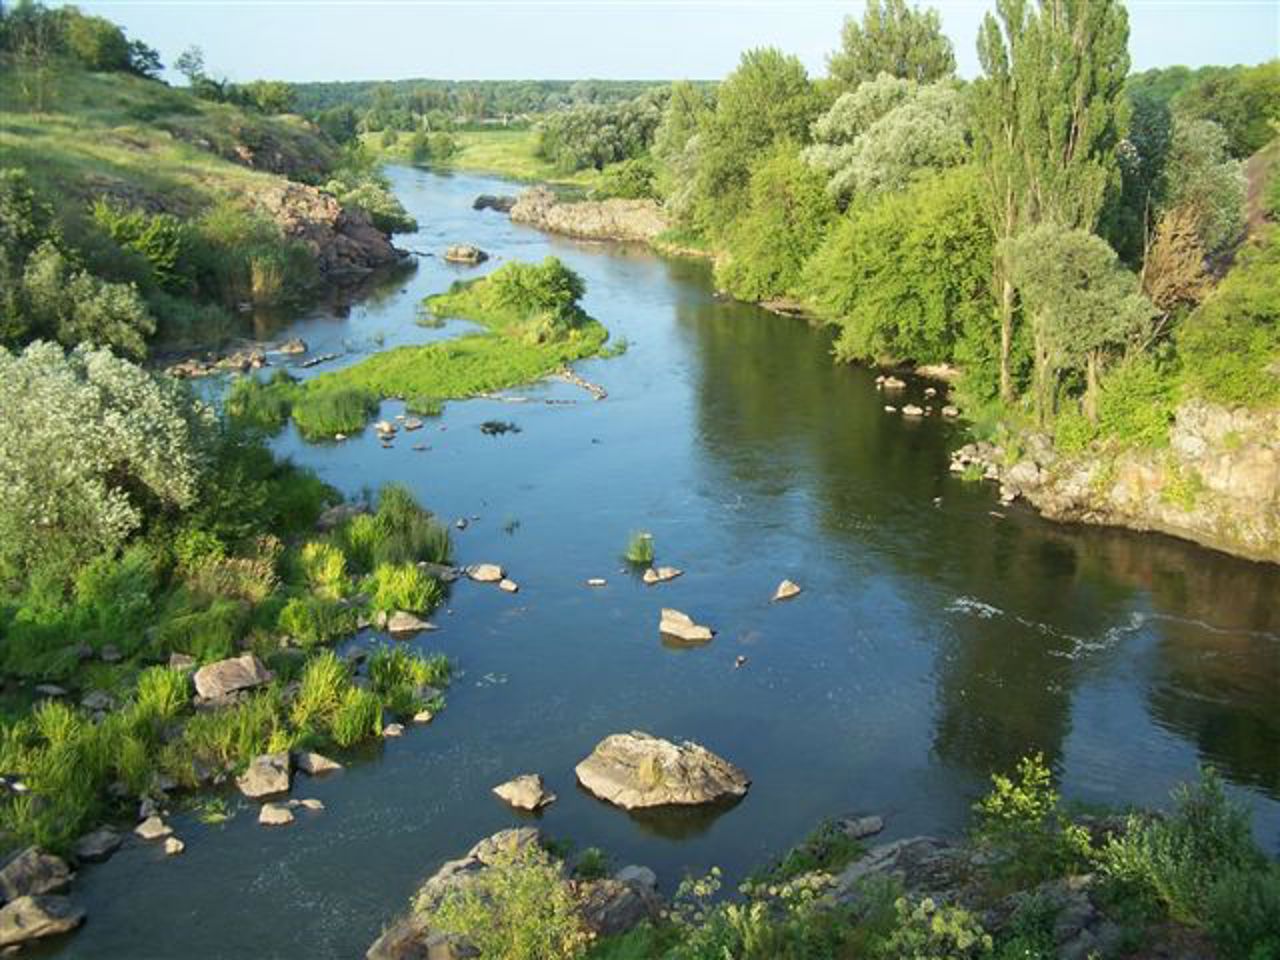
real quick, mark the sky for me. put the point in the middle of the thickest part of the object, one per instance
(301, 40)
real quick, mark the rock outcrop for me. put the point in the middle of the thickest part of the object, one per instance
(627, 220)
(343, 240)
(1217, 483)
(489, 201)
(33, 872)
(34, 918)
(525, 792)
(217, 681)
(636, 770)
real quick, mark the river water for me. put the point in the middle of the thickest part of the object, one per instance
(938, 638)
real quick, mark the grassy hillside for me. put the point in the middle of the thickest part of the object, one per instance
(148, 144)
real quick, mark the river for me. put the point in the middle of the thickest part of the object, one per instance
(939, 636)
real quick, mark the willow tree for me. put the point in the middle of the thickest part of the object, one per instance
(893, 38)
(1048, 114)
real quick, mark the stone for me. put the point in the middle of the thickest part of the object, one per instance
(636, 770)
(413, 423)
(893, 383)
(312, 804)
(508, 586)
(423, 716)
(442, 572)
(486, 573)
(525, 792)
(384, 426)
(393, 730)
(98, 845)
(410, 938)
(610, 907)
(97, 700)
(182, 662)
(911, 410)
(890, 408)
(275, 815)
(597, 582)
(33, 872)
(153, 828)
(402, 621)
(339, 514)
(267, 776)
(612, 219)
(292, 346)
(679, 625)
(640, 876)
(50, 690)
(33, 918)
(930, 392)
(859, 828)
(922, 865)
(950, 411)
(661, 574)
(786, 590)
(111, 654)
(316, 764)
(465, 253)
(173, 846)
(498, 203)
(218, 680)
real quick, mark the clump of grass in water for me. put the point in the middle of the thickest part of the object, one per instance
(425, 406)
(323, 413)
(494, 428)
(640, 549)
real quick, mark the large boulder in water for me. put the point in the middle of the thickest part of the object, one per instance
(216, 681)
(489, 201)
(33, 918)
(267, 776)
(465, 253)
(33, 872)
(635, 770)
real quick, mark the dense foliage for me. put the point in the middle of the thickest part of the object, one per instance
(895, 39)
(593, 135)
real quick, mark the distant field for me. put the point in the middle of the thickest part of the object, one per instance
(505, 152)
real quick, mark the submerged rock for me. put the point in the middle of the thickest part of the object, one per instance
(268, 775)
(33, 918)
(404, 622)
(153, 828)
(216, 681)
(525, 792)
(275, 815)
(508, 586)
(673, 623)
(636, 770)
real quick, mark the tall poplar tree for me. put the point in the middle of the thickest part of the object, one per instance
(892, 38)
(1048, 115)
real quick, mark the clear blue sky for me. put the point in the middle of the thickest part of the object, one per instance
(626, 39)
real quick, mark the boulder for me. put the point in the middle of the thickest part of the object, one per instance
(173, 846)
(673, 623)
(911, 410)
(423, 716)
(950, 411)
(409, 938)
(393, 730)
(50, 690)
(182, 662)
(404, 622)
(489, 201)
(893, 383)
(316, 764)
(216, 681)
(267, 776)
(33, 872)
(97, 700)
(610, 907)
(153, 828)
(612, 219)
(637, 875)
(33, 918)
(292, 346)
(465, 253)
(786, 590)
(661, 574)
(924, 866)
(336, 516)
(859, 828)
(98, 845)
(508, 586)
(486, 573)
(457, 874)
(275, 815)
(525, 792)
(636, 770)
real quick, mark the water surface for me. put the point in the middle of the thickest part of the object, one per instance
(938, 636)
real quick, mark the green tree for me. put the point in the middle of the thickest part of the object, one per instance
(767, 99)
(1201, 176)
(1244, 101)
(1082, 304)
(907, 276)
(190, 64)
(893, 38)
(97, 43)
(785, 222)
(1048, 115)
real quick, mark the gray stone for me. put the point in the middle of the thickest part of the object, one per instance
(268, 775)
(636, 770)
(641, 876)
(508, 586)
(275, 815)
(33, 918)
(153, 828)
(525, 792)
(465, 253)
(859, 828)
(316, 764)
(486, 573)
(97, 700)
(404, 622)
(98, 845)
(33, 872)
(661, 574)
(610, 907)
(218, 680)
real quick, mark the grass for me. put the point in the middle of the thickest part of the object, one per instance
(507, 152)
(828, 848)
(403, 586)
(640, 549)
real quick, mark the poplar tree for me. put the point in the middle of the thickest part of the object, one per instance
(1048, 114)
(893, 38)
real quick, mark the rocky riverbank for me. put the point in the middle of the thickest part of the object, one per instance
(1217, 482)
(623, 220)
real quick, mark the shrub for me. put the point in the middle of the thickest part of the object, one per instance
(827, 848)
(407, 532)
(317, 620)
(357, 718)
(193, 548)
(1135, 405)
(927, 929)
(1244, 914)
(404, 587)
(325, 412)
(122, 439)
(161, 239)
(262, 404)
(640, 549)
(1178, 858)
(1021, 819)
(209, 634)
(518, 909)
(161, 695)
(325, 568)
(634, 179)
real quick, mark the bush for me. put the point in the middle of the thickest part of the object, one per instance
(357, 718)
(1244, 914)
(161, 695)
(634, 179)
(234, 735)
(1177, 859)
(262, 404)
(317, 620)
(209, 634)
(519, 909)
(1136, 403)
(404, 587)
(321, 692)
(407, 532)
(160, 239)
(401, 678)
(325, 568)
(926, 929)
(324, 413)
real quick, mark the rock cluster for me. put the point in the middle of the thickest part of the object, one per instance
(30, 886)
(342, 239)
